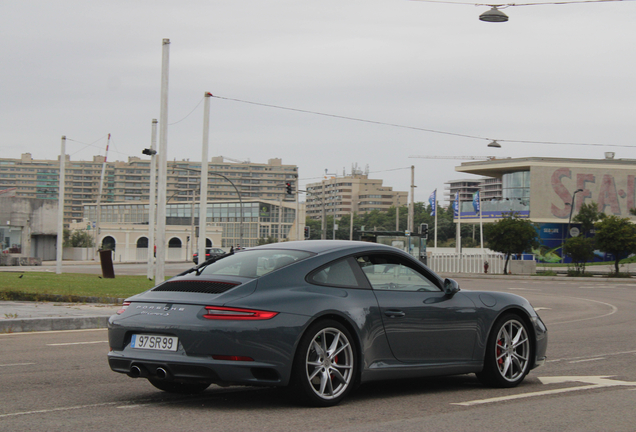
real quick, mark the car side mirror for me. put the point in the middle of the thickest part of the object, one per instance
(451, 287)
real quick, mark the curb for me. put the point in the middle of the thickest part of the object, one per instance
(52, 324)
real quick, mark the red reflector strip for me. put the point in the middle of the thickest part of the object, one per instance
(232, 358)
(123, 308)
(227, 313)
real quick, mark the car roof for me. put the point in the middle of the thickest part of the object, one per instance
(320, 246)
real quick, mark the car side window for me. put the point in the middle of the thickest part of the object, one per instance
(390, 272)
(338, 273)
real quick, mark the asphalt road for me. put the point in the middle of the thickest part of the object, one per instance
(60, 381)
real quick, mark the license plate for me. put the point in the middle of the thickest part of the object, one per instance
(153, 342)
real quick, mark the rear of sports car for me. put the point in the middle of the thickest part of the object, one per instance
(185, 334)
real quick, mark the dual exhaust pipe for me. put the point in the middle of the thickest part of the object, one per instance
(138, 371)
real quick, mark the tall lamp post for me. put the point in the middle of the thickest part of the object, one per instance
(571, 210)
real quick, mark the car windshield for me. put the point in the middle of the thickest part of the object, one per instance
(254, 263)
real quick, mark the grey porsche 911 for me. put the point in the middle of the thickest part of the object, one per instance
(320, 317)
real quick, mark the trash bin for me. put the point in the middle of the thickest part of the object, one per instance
(106, 259)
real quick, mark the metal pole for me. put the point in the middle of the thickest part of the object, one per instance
(436, 211)
(98, 209)
(397, 214)
(351, 224)
(412, 204)
(151, 201)
(203, 196)
(280, 218)
(297, 211)
(163, 165)
(60, 209)
(323, 233)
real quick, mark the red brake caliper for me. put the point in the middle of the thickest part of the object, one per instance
(500, 359)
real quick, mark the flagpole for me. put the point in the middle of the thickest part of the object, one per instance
(436, 207)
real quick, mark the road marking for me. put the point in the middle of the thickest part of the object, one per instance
(588, 357)
(587, 360)
(595, 382)
(542, 308)
(57, 409)
(614, 309)
(16, 364)
(524, 289)
(76, 343)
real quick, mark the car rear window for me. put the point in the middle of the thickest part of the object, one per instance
(255, 262)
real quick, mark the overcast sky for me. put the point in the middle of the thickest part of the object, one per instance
(553, 73)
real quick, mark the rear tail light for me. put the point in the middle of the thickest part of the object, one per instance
(123, 308)
(228, 313)
(232, 358)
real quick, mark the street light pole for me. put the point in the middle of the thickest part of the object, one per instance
(151, 200)
(163, 166)
(203, 196)
(60, 208)
(571, 210)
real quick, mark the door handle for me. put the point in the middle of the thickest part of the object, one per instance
(394, 313)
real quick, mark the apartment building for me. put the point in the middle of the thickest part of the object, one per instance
(489, 187)
(354, 193)
(130, 181)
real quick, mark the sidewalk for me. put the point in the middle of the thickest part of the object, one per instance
(17, 316)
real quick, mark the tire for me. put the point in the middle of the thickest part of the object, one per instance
(179, 387)
(325, 365)
(508, 353)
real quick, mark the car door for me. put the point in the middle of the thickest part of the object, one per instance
(421, 322)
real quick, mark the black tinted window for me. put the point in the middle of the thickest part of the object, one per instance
(338, 273)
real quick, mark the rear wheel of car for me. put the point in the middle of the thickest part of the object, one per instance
(508, 353)
(179, 387)
(325, 365)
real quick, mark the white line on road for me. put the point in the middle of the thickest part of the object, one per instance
(57, 409)
(595, 381)
(16, 364)
(587, 360)
(587, 357)
(76, 343)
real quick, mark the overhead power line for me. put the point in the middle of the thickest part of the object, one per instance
(483, 138)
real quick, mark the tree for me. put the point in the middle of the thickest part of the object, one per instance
(78, 238)
(511, 235)
(581, 250)
(588, 215)
(617, 236)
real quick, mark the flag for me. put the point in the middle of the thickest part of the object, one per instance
(476, 202)
(456, 205)
(432, 200)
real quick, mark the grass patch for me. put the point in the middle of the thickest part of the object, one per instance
(68, 286)
(546, 273)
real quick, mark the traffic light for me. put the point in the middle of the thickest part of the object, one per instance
(424, 230)
(288, 188)
(306, 232)
(149, 152)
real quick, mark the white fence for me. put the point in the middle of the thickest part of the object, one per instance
(466, 263)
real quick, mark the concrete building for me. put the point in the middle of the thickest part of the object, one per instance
(130, 181)
(353, 193)
(542, 189)
(124, 226)
(28, 228)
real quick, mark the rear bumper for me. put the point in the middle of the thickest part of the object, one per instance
(218, 372)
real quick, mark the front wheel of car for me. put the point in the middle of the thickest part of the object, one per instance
(325, 365)
(508, 353)
(179, 387)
